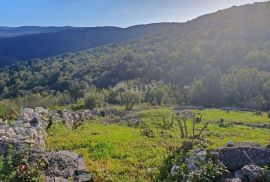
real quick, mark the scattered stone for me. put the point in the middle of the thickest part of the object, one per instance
(61, 165)
(187, 114)
(230, 144)
(74, 119)
(196, 156)
(174, 170)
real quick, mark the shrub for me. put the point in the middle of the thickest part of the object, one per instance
(93, 100)
(5, 107)
(158, 95)
(129, 99)
(44, 99)
(148, 133)
(79, 104)
(113, 97)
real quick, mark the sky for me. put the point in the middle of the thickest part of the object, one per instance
(122, 13)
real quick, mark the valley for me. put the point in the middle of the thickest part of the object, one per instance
(171, 101)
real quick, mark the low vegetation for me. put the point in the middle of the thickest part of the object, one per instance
(119, 152)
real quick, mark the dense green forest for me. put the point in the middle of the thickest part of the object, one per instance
(221, 59)
(25, 43)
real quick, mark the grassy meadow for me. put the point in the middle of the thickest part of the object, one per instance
(121, 152)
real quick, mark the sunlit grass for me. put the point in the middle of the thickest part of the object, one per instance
(238, 116)
(117, 152)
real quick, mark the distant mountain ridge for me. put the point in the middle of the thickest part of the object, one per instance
(6, 32)
(39, 42)
(248, 23)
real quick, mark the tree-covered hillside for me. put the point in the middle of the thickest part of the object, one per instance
(54, 41)
(215, 60)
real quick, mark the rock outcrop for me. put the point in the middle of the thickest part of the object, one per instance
(61, 165)
(244, 161)
(237, 156)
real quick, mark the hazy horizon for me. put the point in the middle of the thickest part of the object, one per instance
(92, 13)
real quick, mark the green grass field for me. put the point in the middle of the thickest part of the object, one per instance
(118, 152)
(238, 116)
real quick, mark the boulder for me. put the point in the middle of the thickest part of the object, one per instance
(61, 165)
(253, 173)
(240, 155)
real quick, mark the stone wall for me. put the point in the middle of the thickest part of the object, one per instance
(28, 135)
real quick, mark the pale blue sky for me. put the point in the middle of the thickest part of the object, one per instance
(121, 13)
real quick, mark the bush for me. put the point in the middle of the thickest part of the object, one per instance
(44, 100)
(94, 100)
(5, 107)
(113, 97)
(148, 133)
(79, 104)
(129, 99)
(158, 95)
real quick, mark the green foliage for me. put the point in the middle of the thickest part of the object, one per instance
(204, 63)
(93, 100)
(148, 133)
(225, 124)
(44, 99)
(119, 152)
(234, 116)
(158, 94)
(129, 99)
(101, 150)
(209, 171)
(113, 96)
(79, 104)
(14, 168)
(166, 124)
(5, 106)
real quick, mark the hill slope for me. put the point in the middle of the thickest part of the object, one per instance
(58, 41)
(223, 58)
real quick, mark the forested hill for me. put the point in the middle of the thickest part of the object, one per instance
(42, 42)
(217, 59)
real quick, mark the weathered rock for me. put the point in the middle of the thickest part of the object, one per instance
(253, 173)
(61, 165)
(74, 119)
(56, 179)
(230, 144)
(239, 174)
(239, 155)
(27, 137)
(174, 170)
